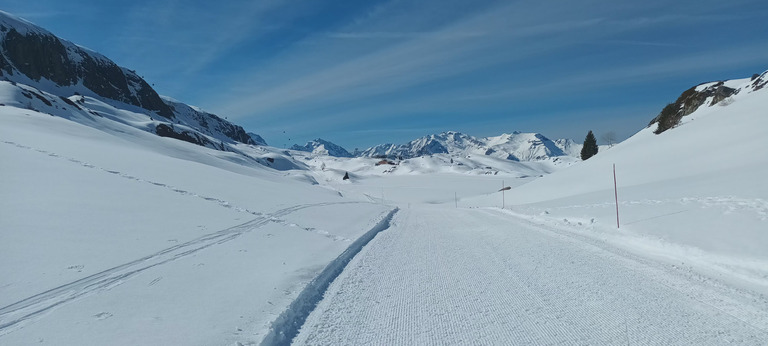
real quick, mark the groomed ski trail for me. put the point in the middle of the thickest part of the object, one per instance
(287, 325)
(467, 276)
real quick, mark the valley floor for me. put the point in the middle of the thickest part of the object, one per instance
(441, 275)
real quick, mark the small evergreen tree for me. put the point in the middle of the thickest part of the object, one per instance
(590, 146)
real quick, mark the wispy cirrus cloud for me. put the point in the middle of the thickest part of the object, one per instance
(404, 35)
(471, 43)
(372, 57)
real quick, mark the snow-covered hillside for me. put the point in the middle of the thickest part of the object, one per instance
(516, 146)
(52, 70)
(106, 231)
(694, 194)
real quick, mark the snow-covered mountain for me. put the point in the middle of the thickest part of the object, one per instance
(516, 146)
(258, 140)
(322, 147)
(569, 147)
(53, 74)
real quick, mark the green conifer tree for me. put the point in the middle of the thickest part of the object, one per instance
(590, 146)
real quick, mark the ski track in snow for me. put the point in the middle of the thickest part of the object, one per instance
(218, 201)
(15, 315)
(478, 277)
(287, 325)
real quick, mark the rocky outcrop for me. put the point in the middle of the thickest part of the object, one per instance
(168, 130)
(688, 102)
(38, 55)
(707, 95)
(208, 123)
(30, 55)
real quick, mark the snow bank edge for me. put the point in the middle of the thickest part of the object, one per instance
(287, 325)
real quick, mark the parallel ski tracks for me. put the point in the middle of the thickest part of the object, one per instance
(16, 314)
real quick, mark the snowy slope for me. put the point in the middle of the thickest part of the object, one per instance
(693, 194)
(106, 231)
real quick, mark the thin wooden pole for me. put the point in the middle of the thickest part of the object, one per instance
(616, 195)
(503, 202)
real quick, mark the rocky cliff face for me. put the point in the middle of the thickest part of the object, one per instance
(39, 55)
(707, 94)
(30, 55)
(207, 123)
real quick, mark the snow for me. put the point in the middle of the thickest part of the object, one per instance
(467, 276)
(516, 146)
(113, 232)
(693, 194)
(110, 234)
(321, 147)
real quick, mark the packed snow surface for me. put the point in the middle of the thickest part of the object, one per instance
(477, 276)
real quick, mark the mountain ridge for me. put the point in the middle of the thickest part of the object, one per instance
(33, 56)
(320, 146)
(516, 146)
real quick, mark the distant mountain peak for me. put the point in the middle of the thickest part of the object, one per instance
(320, 146)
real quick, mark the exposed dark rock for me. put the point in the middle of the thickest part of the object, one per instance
(164, 130)
(208, 123)
(39, 56)
(31, 55)
(41, 98)
(69, 102)
(759, 81)
(688, 102)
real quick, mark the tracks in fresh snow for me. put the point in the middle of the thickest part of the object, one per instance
(448, 276)
(171, 188)
(15, 314)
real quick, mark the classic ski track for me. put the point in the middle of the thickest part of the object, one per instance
(16, 314)
(486, 283)
(287, 325)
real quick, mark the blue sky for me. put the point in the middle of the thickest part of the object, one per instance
(360, 73)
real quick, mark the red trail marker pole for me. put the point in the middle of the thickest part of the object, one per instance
(616, 195)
